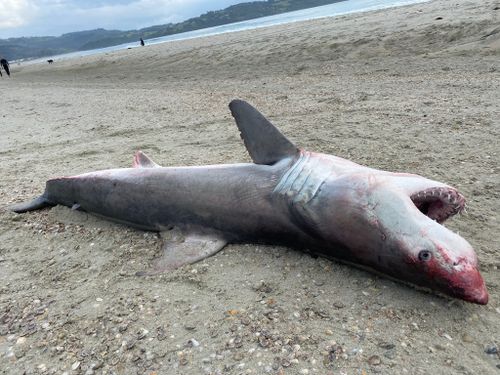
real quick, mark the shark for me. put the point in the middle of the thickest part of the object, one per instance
(388, 222)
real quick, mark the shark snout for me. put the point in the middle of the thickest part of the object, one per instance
(470, 285)
(480, 297)
(456, 262)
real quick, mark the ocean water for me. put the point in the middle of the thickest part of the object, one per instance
(331, 10)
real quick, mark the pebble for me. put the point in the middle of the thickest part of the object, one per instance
(390, 354)
(96, 365)
(467, 338)
(238, 356)
(193, 343)
(387, 345)
(285, 362)
(20, 352)
(356, 351)
(75, 365)
(264, 341)
(42, 367)
(161, 333)
(182, 358)
(374, 360)
(142, 333)
(129, 344)
(491, 349)
(445, 335)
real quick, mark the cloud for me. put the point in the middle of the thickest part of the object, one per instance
(54, 17)
(15, 13)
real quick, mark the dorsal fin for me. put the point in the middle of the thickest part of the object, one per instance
(264, 142)
(141, 160)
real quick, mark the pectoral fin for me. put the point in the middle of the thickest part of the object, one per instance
(180, 249)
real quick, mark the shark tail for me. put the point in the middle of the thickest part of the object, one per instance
(35, 204)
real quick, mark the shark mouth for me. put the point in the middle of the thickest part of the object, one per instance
(439, 203)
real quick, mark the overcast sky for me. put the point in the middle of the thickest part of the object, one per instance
(56, 17)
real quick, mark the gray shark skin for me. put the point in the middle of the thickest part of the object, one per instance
(388, 222)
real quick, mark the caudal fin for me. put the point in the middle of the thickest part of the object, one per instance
(35, 204)
(264, 142)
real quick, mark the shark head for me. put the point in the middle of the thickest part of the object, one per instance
(389, 222)
(393, 223)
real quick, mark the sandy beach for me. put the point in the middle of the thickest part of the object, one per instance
(413, 89)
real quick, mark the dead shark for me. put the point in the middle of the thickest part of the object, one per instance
(389, 222)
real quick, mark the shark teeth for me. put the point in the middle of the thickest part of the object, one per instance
(439, 203)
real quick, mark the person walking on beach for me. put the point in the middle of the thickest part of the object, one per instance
(5, 65)
(142, 42)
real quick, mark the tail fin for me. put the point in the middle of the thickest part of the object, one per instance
(35, 204)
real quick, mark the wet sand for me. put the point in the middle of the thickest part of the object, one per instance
(412, 89)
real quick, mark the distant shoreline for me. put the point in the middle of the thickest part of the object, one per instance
(325, 11)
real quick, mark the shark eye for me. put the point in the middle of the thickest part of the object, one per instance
(424, 255)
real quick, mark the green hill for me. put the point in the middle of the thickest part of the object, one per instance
(34, 47)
